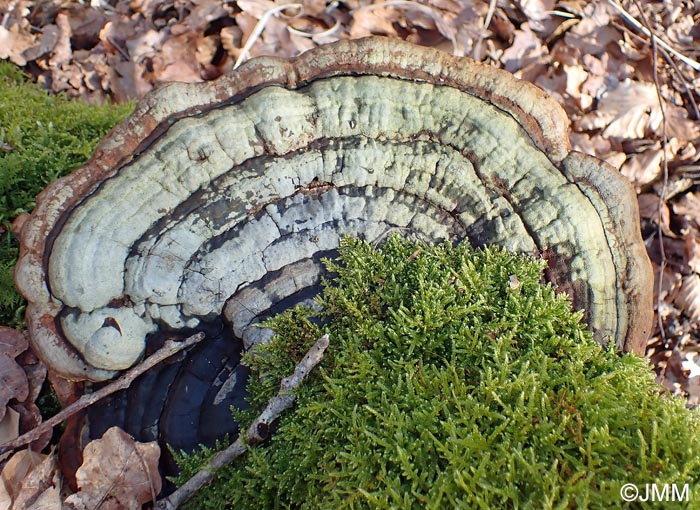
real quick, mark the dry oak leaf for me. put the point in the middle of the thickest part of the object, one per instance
(117, 473)
(631, 110)
(41, 488)
(593, 32)
(15, 471)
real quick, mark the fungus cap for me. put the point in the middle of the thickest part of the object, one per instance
(218, 198)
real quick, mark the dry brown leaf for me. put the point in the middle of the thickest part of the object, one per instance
(526, 48)
(593, 33)
(9, 428)
(206, 49)
(301, 43)
(47, 42)
(688, 299)
(673, 375)
(231, 40)
(145, 45)
(13, 382)
(643, 168)
(315, 7)
(631, 110)
(649, 210)
(18, 468)
(126, 79)
(680, 32)
(85, 25)
(205, 12)
(375, 21)
(599, 147)
(41, 489)
(576, 76)
(12, 342)
(5, 498)
(118, 473)
(13, 43)
(537, 11)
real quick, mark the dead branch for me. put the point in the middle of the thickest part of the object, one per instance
(171, 347)
(257, 431)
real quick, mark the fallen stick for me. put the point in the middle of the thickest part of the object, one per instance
(646, 31)
(169, 348)
(257, 431)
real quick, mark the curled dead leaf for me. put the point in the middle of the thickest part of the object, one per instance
(631, 110)
(117, 473)
(9, 428)
(17, 469)
(41, 488)
(13, 382)
(12, 342)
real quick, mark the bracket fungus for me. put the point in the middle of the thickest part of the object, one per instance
(215, 201)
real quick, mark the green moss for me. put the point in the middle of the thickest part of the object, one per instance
(450, 385)
(43, 137)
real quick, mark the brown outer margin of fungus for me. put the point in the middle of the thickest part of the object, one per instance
(541, 116)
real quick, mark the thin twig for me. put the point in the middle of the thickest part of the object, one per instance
(667, 57)
(171, 347)
(258, 29)
(257, 431)
(476, 54)
(649, 33)
(309, 35)
(684, 82)
(664, 160)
